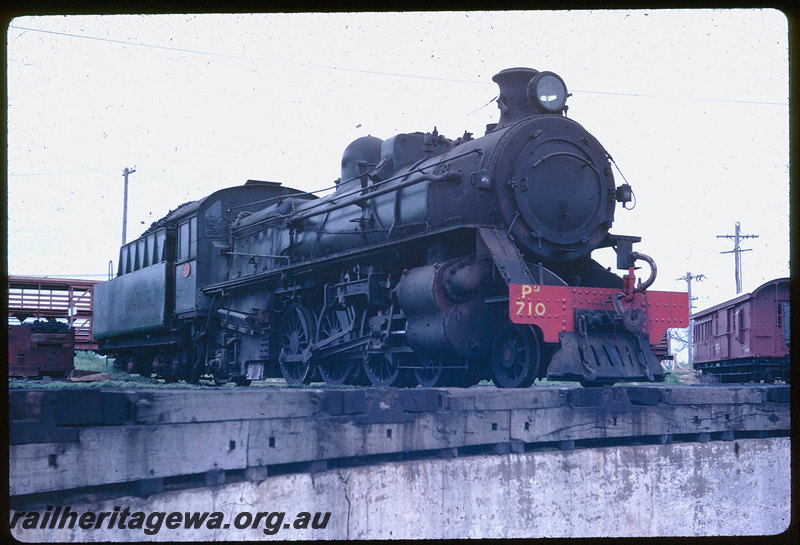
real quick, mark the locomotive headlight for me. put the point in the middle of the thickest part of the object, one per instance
(548, 91)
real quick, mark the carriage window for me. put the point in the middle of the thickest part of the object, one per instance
(741, 320)
(702, 331)
(187, 243)
(780, 315)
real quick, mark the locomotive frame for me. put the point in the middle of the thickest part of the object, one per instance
(402, 274)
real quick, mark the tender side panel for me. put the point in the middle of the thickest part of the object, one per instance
(551, 308)
(132, 302)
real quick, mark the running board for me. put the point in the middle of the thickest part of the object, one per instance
(495, 243)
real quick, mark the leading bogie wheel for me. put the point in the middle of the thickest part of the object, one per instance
(516, 353)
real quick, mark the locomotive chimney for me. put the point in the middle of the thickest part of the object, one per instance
(513, 99)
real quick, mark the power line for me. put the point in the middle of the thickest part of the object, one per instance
(200, 52)
(698, 99)
(390, 74)
(123, 42)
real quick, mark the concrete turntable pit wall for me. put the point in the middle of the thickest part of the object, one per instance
(739, 487)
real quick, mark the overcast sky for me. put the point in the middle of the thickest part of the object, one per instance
(692, 106)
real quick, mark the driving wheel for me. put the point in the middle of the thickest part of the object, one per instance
(338, 322)
(296, 333)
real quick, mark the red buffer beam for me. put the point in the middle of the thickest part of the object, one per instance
(552, 308)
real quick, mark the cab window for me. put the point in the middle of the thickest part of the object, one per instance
(187, 239)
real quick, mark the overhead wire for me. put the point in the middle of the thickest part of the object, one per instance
(390, 74)
(124, 42)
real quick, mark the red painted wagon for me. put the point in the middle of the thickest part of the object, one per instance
(63, 311)
(747, 338)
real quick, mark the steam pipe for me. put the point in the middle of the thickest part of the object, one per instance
(449, 177)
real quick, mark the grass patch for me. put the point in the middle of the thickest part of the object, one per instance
(86, 360)
(89, 361)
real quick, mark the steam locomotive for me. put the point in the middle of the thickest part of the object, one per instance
(432, 261)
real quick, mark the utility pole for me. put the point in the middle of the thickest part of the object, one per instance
(125, 173)
(688, 277)
(737, 251)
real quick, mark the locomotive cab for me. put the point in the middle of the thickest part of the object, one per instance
(159, 282)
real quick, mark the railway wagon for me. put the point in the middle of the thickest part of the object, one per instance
(67, 299)
(43, 348)
(747, 338)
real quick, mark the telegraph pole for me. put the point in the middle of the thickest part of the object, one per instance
(737, 252)
(688, 277)
(125, 173)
